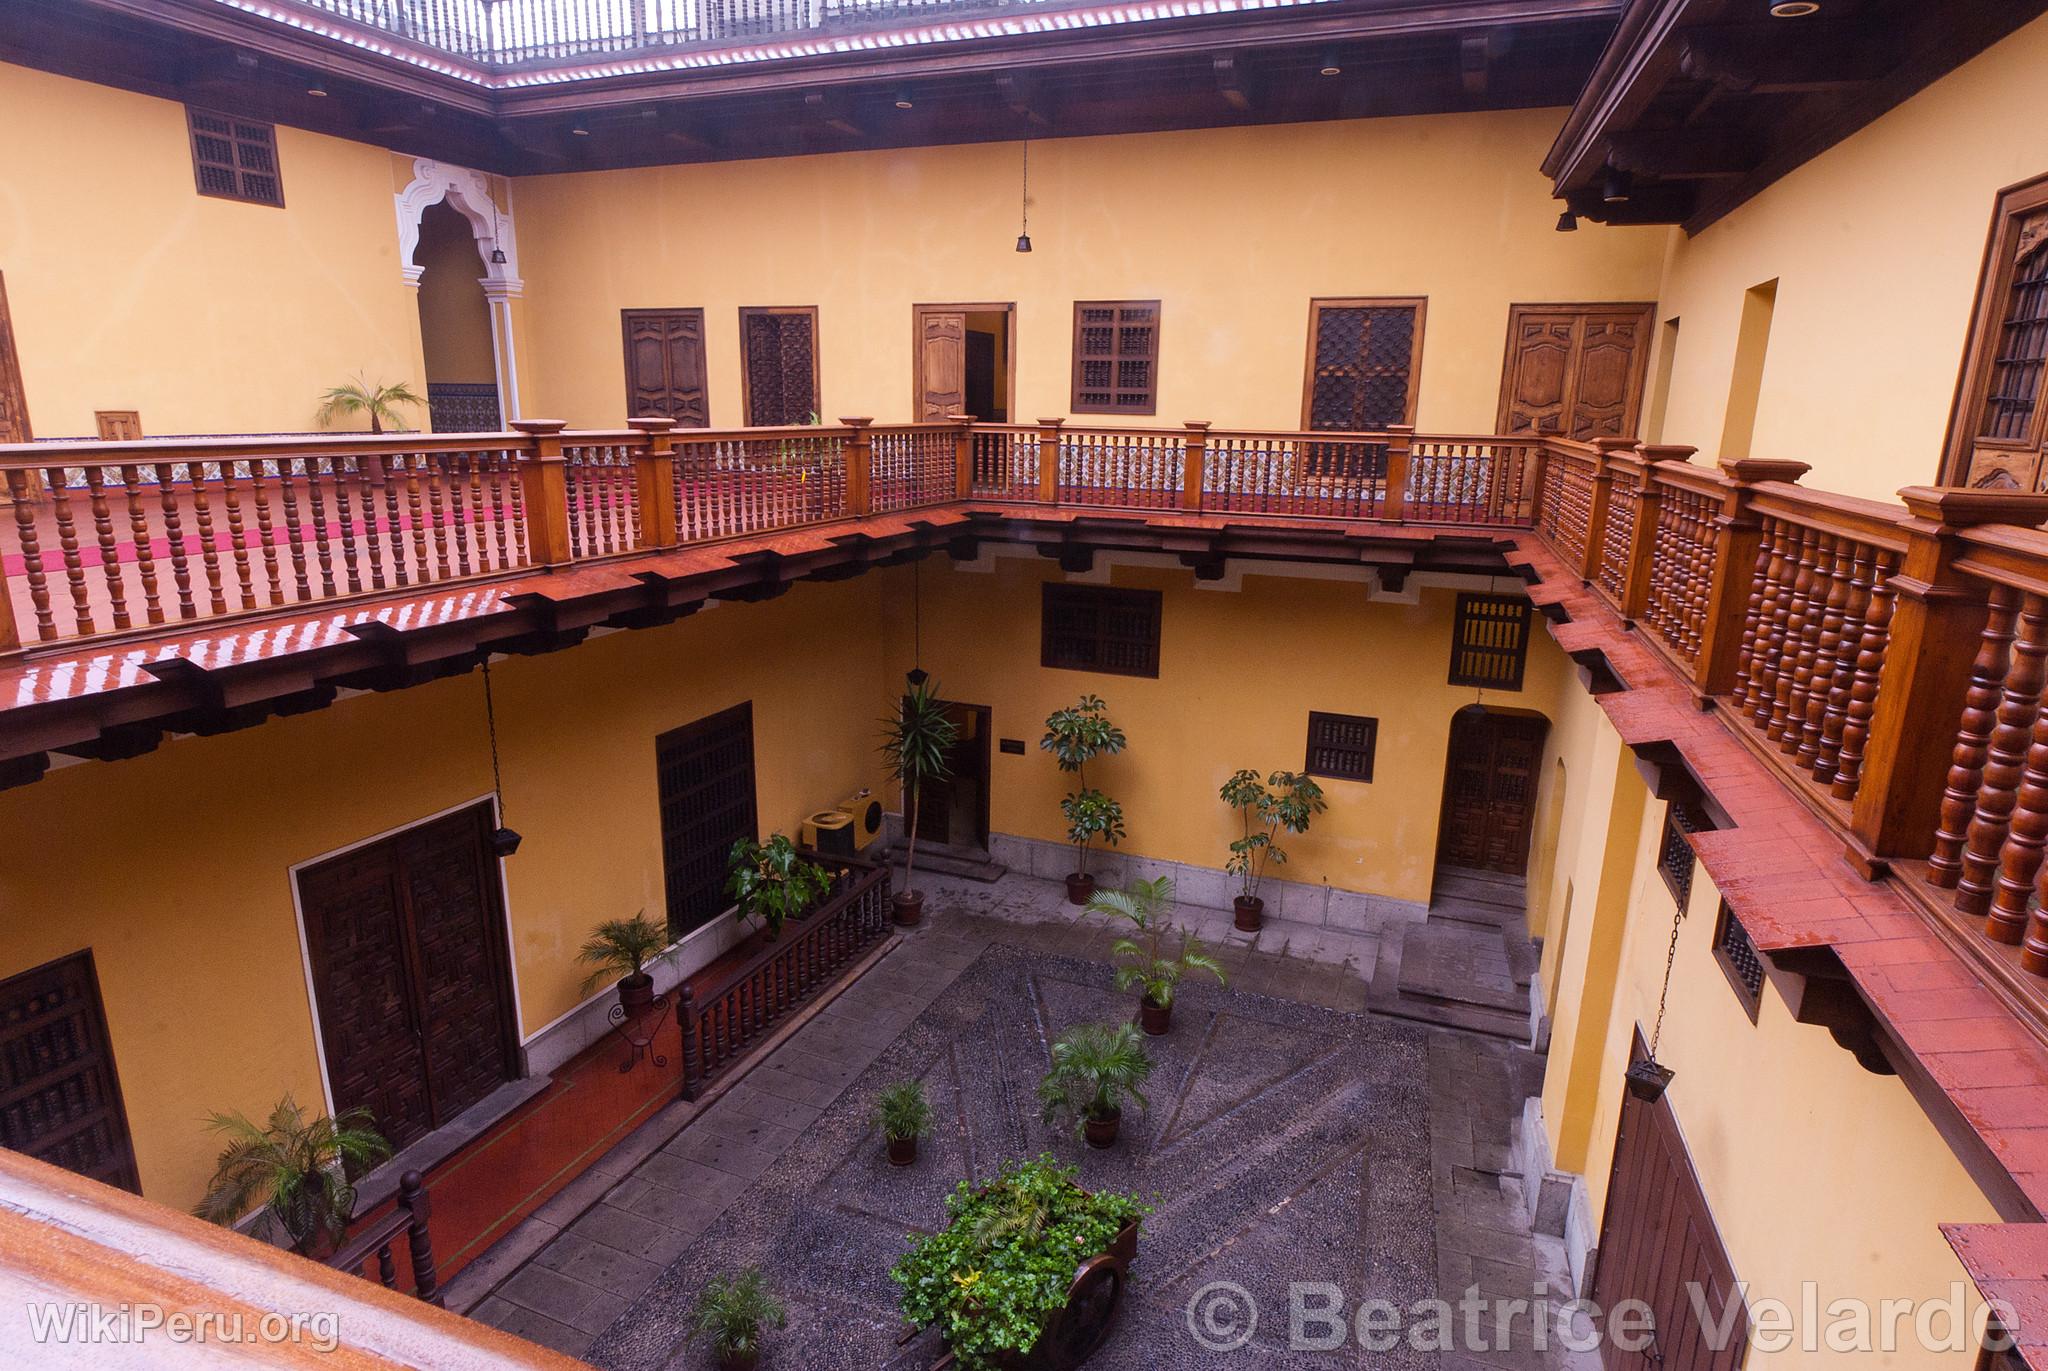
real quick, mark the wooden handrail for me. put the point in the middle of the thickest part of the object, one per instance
(409, 1215)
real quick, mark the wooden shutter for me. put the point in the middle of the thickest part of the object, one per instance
(779, 378)
(1116, 357)
(1099, 628)
(14, 425)
(59, 1099)
(1489, 641)
(1364, 356)
(117, 425)
(705, 774)
(1341, 746)
(2001, 427)
(941, 363)
(665, 365)
(234, 159)
(1575, 370)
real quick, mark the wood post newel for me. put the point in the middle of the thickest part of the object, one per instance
(1394, 498)
(1642, 538)
(654, 476)
(686, 1014)
(963, 457)
(1049, 461)
(860, 466)
(1192, 464)
(412, 1197)
(1738, 532)
(1937, 623)
(1610, 452)
(544, 488)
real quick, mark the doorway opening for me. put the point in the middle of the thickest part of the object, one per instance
(963, 361)
(953, 813)
(1490, 791)
(455, 326)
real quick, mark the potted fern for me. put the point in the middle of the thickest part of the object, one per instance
(300, 1169)
(731, 1312)
(1148, 960)
(375, 399)
(773, 882)
(622, 948)
(1283, 803)
(1076, 736)
(1094, 1068)
(915, 742)
(903, 1115)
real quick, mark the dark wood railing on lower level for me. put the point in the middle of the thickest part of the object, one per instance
(720, 1022)
(407, 1218)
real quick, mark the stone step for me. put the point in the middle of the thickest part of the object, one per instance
(1462, 966)
(966, 865)
(1466, 889)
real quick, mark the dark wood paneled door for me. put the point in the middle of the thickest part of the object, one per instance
(59, 1099)
(1575, 370)
(705, 775)
(1490, 790)
(954, 811)
(13, 403)
(941, 363)
(406, 938)
(1658, 1244)
(665, 365)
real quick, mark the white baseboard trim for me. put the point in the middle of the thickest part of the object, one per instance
(1556, 1202)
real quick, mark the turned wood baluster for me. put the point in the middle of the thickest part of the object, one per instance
(1826, 654)
(266, 532)
(345, 517)
(458, 513)
(174, 537)
(1877, 627)
(479, 535)
(518, 512)
(437, 475)
(1776, 613)
(238, 548)
(1756, 615)
(67, 546)
(323, 544)
(31, 553)
(497, 474)
(1973, 738)
(390, 475)
(2005, 761)
(369, 475)
(2019, 857)
(1798, 601)
(145, 545)
(209, 549)
(110, 551)
(294, 533)
(1842, 671)
(1788, 725)
(422, 564)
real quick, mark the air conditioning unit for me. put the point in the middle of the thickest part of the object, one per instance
(847, 828)
(866, 813)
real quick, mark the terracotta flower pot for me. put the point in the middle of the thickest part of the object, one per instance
(907, 908)
(1248, 913)
(1155, 1019)
(740, 1361)
(636, 992)
(1102, 1132)
(1080, 889)
(902, 1151)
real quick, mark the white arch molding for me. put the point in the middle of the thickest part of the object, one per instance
(468, 193)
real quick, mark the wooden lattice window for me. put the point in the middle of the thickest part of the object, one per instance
(1100, 628)
(1116, 357)
(1341, 746)
(59, 1099)
(235, 159)
(1363, 358)
(1674, 853)
(1998, 431)
(779, 381)
(705, 775)
(1490, 641)
(1738, 958)
(2020, 349)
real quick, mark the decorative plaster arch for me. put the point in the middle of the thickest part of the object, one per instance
(468, 193)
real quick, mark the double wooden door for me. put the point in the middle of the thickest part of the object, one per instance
(406, 940)
(1490, 790)
(665, 365)
(704, 776)
(59, 1099)
(1575, 370)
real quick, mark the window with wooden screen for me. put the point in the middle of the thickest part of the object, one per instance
(1100, 628)
(705, 775)
(1340, 746)
(1674, 853)
(1738, 958)
(1363, 358)
(779, 350)
(235, 159)
(1999, 429)
(1490, 641)
(59, 1099)
(1116, 357)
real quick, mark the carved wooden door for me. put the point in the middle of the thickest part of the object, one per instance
(1575, 371)
(13, 403)
(1490, 791)
(59, 1099)
(941, 363)
(451, 893)
(779, 364)
(665, 365)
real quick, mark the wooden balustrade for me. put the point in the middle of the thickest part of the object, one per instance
(603, 491)
(1137, 468)
(1469, 480)
(1564, 500)
(912, 465)
(729, 484)
(721, 1022)
(408, 1217)
(1005, 462)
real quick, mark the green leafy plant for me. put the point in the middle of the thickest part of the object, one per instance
(299, 1168)
(1284, 802)
(1090, 815)
(620, 948)
(1001, 1267)
(915, 741)
(380, 402)
(773, 883)
(902, 1112)
(1076, 736)
(1094, 1067)
(731, 1311)
(1149, 960)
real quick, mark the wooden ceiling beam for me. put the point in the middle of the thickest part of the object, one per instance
(1019, 94)
(1813, 56)
(1230, 83)
(1685, 154)
(827, 110)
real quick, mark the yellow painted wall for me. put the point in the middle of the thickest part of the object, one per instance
(1234, 230)
(455, 327)
(1876, 247)
(1239, 672)
(173, 866)
(130, 290)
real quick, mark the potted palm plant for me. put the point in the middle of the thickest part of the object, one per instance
(1094, 1066)
(1148, 960)
(731, 1311)
(299, 1169)
(1076, 736)
(1283, 803)
(915, 742)
(622, 948)
(772, 883)
(377, 400)
(903, 1115)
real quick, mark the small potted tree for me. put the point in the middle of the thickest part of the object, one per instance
(1150, 960)
(1284, 802)
(1094, 1066)
(731, 1312)
(300, 1169)
(772, 883)
(374, 399)
(622, 948)
(915, 741)
(903, 1115)
(1076, 736)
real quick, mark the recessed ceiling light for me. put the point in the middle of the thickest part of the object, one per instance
(1330, 65)
(318, 88)
(580, 131)
(903, 100)
(1793, 9)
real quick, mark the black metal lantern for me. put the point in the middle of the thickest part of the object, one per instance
(504, 840)
(1647, 1079)
(1567, 222)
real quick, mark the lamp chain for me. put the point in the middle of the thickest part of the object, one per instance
(1670, 960)
(491, 722)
